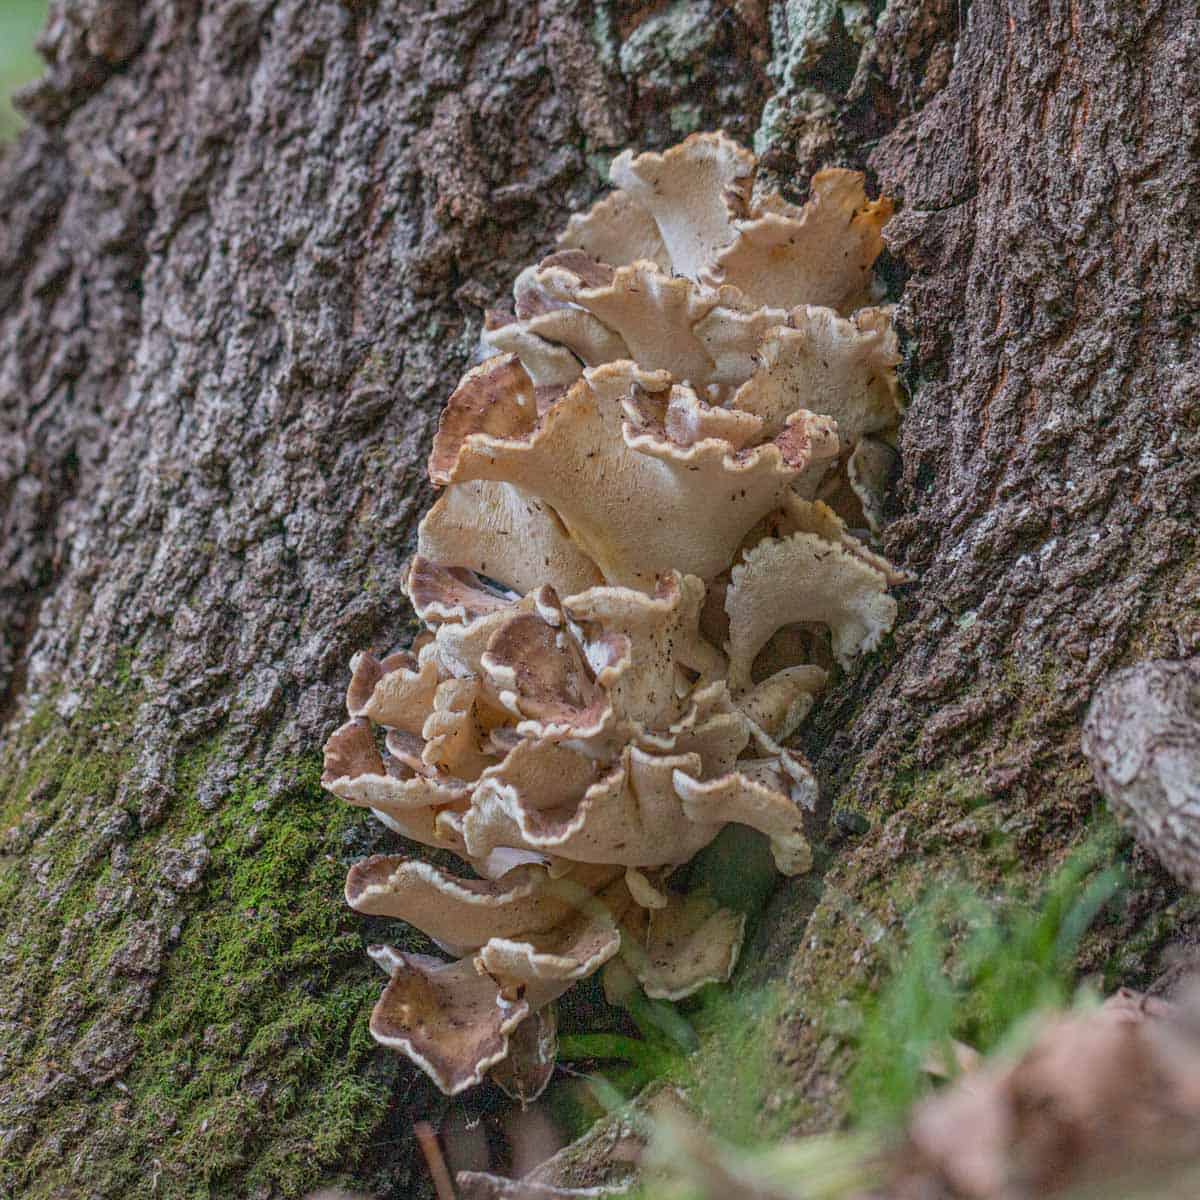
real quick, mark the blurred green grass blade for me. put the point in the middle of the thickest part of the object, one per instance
(20, 23)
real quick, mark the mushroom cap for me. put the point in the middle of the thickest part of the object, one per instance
(803, 577)
(464, 913)
(616, 230)
(447, 1018)
(634, 583)
(694, 191)
(683, 945)
(819, 254)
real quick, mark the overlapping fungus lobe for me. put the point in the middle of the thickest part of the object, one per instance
(647, 554)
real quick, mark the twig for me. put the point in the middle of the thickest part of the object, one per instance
(434, 1160)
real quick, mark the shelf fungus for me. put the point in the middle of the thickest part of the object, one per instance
(649, 550)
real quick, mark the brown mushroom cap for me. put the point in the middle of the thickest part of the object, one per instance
(450, 1020)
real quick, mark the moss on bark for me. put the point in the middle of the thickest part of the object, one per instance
(193, 1002)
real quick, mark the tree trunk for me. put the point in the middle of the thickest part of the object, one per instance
(1050, 493)
(244, 253)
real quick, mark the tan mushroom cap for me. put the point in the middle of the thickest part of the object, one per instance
(780, 703)
(616, 230)
(467, 913)
(631, 816)
(548, 365)
(547, 774)
(686, 420)
(397, 693)
(687, 943)
(555, 281)
(660, 634)
(636, 514)
(498, 530)
(587, 337)
(841, 367)
(446, 1017)
(806, 516)
(655, 315)
(458, 730)
(693, 191)
(819, 254)
(460, 645)
(463, 913)
(356, 772)
(544, 964)
(540, 673)
(731, 333)
(763, 794)
(802, 577)
(440, 593)
(547, 303)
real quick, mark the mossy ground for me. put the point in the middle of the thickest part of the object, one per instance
(234, 1012)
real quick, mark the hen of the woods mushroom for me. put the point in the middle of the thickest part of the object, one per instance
(633, 584)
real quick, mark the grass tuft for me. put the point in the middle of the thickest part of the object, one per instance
(972, 970)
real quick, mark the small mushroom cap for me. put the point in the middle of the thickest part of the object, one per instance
(441, 593)
(712, 729)
(806, 516)
(457, 732)
(820, 254)
(445, 1017)
(678, 948)
(693, 191)
(461, 645)
(548, 365)
(802, 577)
(762, 794)
(356, 772)
(655, 315)
(631, 817)
(397, 692)
(494, 398)
(497, 530)
(659, 634)
(616, 230)
(840, 367)
(540, 673)
(464, 913)
(547, 962)
(731, 333)
(779, 704)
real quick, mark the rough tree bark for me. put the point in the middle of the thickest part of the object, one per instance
(244, 250)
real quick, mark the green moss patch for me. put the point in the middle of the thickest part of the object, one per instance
(186, 1006)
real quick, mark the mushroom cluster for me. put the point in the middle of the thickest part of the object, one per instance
(635, 580)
